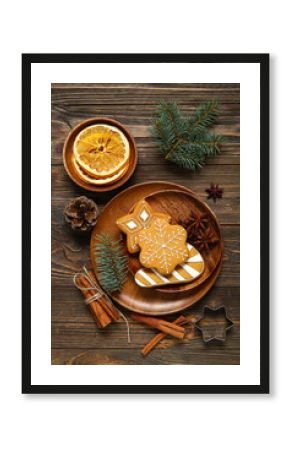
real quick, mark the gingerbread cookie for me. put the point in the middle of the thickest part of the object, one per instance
(141, 217)
(186, 272)
(163, 246)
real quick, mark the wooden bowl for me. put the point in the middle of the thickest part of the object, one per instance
(68, 155)
(133, 297)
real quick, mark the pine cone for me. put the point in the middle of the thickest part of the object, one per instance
(81, 213)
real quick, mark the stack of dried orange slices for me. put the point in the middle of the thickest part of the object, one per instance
(101, 154)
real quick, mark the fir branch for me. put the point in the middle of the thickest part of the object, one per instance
(169, 125)
(214, 144)
(188, 156)
(205, 115)
(186, 141)
(112, 263)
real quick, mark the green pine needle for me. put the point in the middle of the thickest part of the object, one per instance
(186, 141)
(112, 263)
(205, 115)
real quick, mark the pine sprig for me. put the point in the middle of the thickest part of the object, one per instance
(169, 125)
(205, 115)
(112, 263)
(186, 141)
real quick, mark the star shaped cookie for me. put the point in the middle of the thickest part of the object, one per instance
(163, 246)
(141, 217)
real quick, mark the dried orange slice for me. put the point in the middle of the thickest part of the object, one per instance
(101, 150)
(99, 181)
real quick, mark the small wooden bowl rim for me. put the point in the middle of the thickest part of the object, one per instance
(132, 159)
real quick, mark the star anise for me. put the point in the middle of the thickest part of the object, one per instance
(214, 192)
(197, 223)
(205, 240)
(194, 224)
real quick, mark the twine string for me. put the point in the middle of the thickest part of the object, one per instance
(99, 294)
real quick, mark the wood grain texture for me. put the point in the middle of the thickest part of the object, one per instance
(75, 338)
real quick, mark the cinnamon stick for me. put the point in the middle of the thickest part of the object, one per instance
(106, 304)
(181, 320)
(166, 327)
(103, 311)
(100, 316)
(110, 310)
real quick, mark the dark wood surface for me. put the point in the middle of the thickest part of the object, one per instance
(75, 338)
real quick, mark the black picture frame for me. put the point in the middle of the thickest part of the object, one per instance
(27, 60)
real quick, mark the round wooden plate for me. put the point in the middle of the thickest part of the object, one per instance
(133, 297)
(180, 206)
(68, 155)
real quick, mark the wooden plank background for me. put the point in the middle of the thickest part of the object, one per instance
(75, 338)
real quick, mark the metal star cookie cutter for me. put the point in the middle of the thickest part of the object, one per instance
(213, 330)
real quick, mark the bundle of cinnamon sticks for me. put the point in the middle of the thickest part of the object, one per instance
(102, 309)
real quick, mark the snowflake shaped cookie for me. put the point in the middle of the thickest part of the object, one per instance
(141, 217)
(163, 246)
